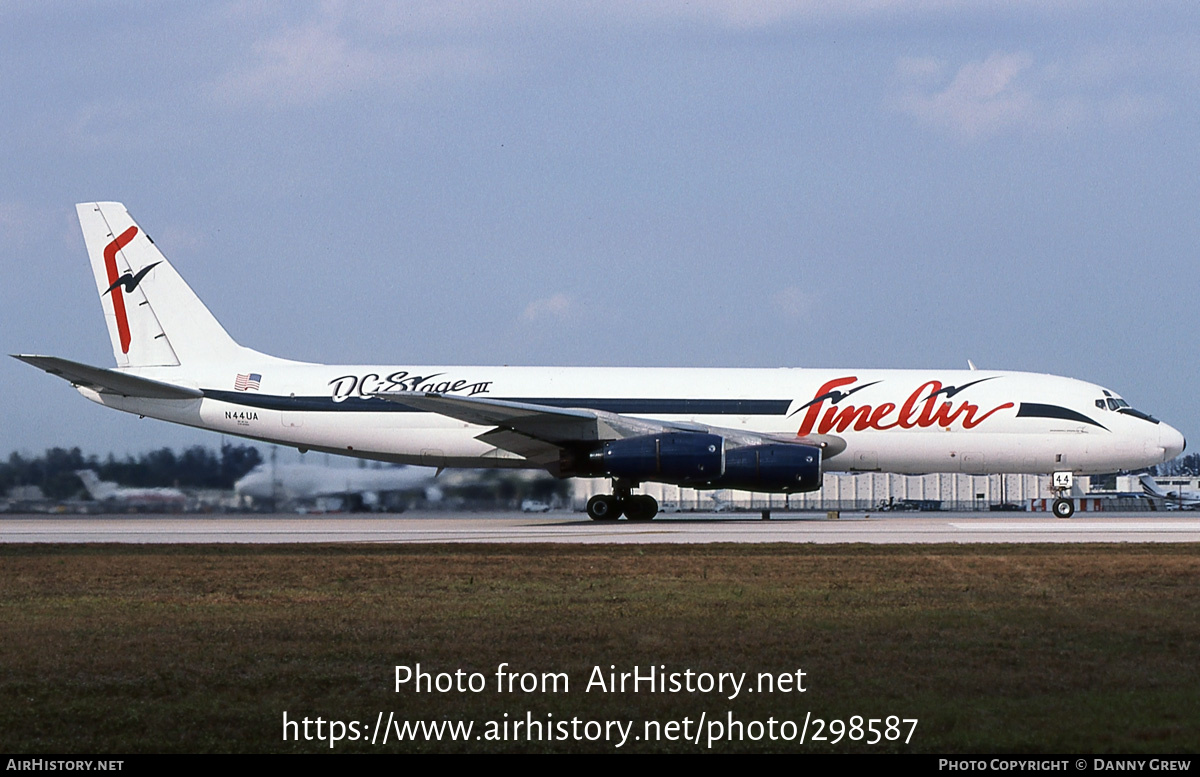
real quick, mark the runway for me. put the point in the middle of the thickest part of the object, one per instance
(576, 528)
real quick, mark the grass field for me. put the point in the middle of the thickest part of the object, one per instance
(1064, 648)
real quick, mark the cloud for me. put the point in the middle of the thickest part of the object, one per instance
(176, 238)
(761, 14)
(15, 217)
(983, 98)
(23, 225)
(1011, 92)
(794, 303)
(334, 53)
(557, 307)
(303, 57)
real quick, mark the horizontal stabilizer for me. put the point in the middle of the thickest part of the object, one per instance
(108, 381)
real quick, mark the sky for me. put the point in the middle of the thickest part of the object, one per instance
(703, 183)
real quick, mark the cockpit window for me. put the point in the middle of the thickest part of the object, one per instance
(1121, 406)
(1127, 410)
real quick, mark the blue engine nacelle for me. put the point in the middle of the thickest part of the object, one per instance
(782, 468)
(701, 461)
(676, 457)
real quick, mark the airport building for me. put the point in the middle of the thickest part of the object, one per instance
(1165, 482)
(863, 491)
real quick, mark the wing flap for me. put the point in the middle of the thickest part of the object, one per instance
(542, 453)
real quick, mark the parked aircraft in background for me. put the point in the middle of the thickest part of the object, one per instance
(767, 430)
(1182, 498)
(148, 498)
(354, 488)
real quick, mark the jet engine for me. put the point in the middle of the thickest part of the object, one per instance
(674, 457)
(778, 468)
(701, 461)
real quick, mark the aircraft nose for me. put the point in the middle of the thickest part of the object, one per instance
(1172, 442)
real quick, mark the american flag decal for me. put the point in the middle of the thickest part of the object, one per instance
(247, 382)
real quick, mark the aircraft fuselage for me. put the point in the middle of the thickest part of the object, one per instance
(904, 421)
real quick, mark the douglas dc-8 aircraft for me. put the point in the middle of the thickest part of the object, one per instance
(767, 430)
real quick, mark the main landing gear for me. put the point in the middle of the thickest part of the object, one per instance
(609, 507)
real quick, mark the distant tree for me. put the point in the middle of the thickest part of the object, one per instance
(158, 468)
(236, 461)
(54, 472)
(11, 472)
(201, 468)
(197, 467)
(1188, 465)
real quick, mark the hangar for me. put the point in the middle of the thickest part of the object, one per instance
(866, 491)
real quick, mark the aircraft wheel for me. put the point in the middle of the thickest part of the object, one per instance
(1063, 508)
(604, 507)
(641, 508)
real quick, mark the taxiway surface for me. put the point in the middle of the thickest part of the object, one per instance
(575, 528)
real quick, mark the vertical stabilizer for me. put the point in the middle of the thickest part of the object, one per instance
(154, 318)
(1151, 488)
(97, 489)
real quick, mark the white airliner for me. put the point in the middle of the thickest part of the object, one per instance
(1182, 498)
(768, 430)
(311, 482)
(160, 498)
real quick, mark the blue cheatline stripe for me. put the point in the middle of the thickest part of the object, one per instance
(1035, 410)
(611, 405)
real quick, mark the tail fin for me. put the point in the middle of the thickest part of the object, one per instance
(154, 318)
(97, 489)
(1151, 488)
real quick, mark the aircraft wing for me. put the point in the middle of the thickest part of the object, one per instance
(542, 433)
(558, 424)
(108, 381)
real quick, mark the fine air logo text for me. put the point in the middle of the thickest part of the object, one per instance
(927, 406)
(360, 386)
(243, 417)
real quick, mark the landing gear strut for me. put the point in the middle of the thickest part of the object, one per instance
(609, 507)
(1064, 506)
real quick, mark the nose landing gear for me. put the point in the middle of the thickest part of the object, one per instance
(1064, 506)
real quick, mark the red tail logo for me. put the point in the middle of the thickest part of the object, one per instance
(114, 280)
